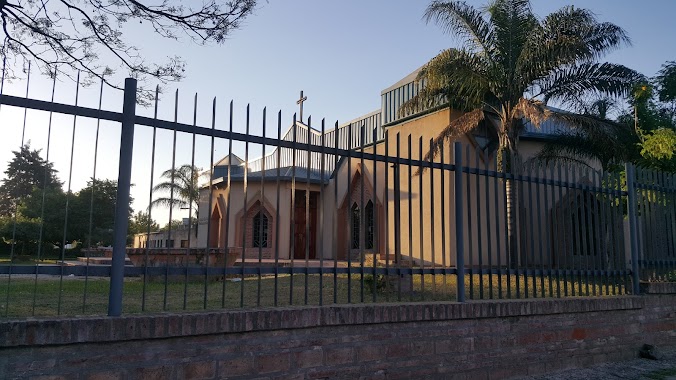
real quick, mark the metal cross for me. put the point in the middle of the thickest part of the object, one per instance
(300, 103)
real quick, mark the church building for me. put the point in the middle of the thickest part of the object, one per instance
(311, 204)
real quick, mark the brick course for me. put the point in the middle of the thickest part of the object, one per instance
(484, 340)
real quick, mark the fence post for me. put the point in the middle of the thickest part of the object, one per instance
(122, 204)
(633, 229)
(459, 234)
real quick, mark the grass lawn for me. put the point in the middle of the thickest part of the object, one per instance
(26, 261)
(51, 296)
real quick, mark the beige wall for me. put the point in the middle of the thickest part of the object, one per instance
(254, 192)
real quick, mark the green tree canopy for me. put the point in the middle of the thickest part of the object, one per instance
(644, 134)
(140, 223)
(26, 171)
(513, 63)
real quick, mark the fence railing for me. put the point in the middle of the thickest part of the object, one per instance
(326, 219)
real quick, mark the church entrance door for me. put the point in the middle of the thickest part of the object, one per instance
(301, 222)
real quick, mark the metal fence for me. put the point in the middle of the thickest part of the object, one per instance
(331, 216)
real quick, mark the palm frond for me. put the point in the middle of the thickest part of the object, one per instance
(532, 110)
(590, 138)
(458, 76)
(588, 78)
(566, 37)
(513, 21)
(182, 183)
(169, 202)
(463, 20)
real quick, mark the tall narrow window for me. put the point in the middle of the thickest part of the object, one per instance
(260, 230)
(355, 226)
(369, 225)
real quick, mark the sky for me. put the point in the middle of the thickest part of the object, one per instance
(342, 54)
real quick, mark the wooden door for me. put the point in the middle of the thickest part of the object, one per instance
(300, 238)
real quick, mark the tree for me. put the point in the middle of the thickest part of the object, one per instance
(173, 225)
(139, 224)
(76, 34)
(511, 65)
(180, 188)
(666, 84)
(47, 207)
(26, 171)
(644, 135)
(20, 231)
(92, 213)
(609, 144)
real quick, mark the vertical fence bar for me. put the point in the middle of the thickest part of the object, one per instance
(432, 245)
(362, 213)
(122, 204)
(470, 226)
(564, 238)
(42, 208)
(211, 197)
(279, 158)
(420, 216)
(308, 167)
(320, 207)
(150, 202)
(350, 216)
(263, 226)
(227, 207)
(632, 215)
(443, 218)
(335, 214)
(531, 230)
(545, 235)
(387, 216)
(548, 233)
(91, 204)
(615, 214)
(190, 202)
(459, 233)
(245, 188)
(375, 242)
(579, 242)
(68, 194)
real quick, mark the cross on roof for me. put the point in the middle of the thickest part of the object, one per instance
(300, 103)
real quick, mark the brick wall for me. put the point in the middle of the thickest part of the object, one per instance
(391, 341)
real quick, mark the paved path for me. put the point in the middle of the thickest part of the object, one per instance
(663, 369)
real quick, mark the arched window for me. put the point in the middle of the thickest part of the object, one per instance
(355, 226)
(586, 226)
(260, 230)
(370, 225)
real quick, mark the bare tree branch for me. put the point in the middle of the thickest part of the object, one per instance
(80, 35)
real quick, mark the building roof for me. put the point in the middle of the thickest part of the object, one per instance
(286, 174)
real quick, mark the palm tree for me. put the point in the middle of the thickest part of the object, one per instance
(511, 64)
(182, 186)
(608, 143)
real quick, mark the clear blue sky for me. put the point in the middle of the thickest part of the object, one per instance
(341, 53)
